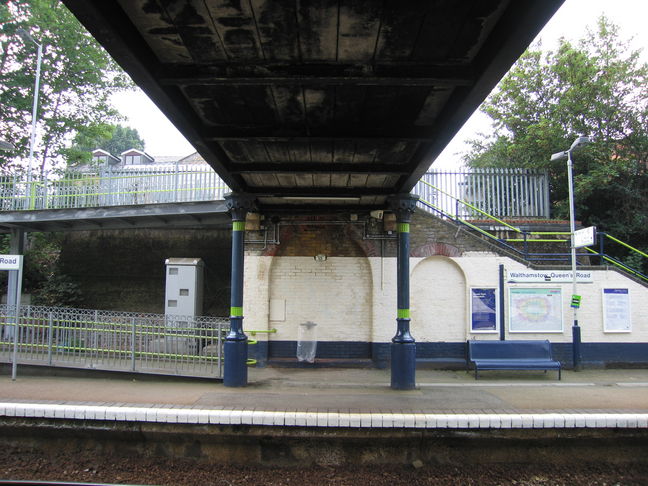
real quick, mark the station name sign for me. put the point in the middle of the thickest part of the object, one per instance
(549, 276)
(10, 262)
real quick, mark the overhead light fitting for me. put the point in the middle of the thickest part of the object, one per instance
(321, 198)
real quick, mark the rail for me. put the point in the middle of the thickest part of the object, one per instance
(115, 341)
(505, 192)
(492, 194)
(76, 190)
(530, 238)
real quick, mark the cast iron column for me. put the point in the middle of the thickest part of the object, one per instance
(235, 347)
(403, 347)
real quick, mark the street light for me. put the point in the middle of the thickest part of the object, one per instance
(27, 39)
(576, 332)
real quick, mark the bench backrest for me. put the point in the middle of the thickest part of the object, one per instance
(509, 350)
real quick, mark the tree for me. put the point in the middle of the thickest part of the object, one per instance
(123, 138)
(77, 79)
(597, 87)
(114, 139)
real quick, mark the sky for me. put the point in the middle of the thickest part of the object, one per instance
(570, 22)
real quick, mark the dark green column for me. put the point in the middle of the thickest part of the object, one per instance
(235, 346)
(403, 347)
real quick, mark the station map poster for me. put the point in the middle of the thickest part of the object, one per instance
(535, 310)
(616, 310)
(483, 310)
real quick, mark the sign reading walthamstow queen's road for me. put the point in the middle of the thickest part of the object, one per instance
(549, 276)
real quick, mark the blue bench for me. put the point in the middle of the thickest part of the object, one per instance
(511, 355)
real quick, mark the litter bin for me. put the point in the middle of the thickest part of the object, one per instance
(307, 342)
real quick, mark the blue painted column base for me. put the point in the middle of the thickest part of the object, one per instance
(576, 347)
(403, 366)
(235, 373)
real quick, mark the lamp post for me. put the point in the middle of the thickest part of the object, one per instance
(6, 146)
(576, 331)
(24, 35)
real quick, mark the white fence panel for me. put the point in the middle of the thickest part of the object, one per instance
(503, 193)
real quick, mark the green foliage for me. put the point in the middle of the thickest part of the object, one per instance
(123, 138)
(86, 141)
(41, 274)
(596, 87)
(41, 257)
(59, 291)
(114, 139)
(77, 79)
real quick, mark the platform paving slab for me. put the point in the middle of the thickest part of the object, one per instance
(345, 398)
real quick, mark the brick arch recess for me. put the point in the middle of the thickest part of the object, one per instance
(435, 249)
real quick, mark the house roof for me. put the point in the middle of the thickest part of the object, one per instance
(134, 151)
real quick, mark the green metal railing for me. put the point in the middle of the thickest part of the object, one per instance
(528, 238)
(116, 341)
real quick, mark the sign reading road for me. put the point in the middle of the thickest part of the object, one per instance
(10, 262)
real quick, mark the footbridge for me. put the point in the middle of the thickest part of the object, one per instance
(324, 106)
(316, 104)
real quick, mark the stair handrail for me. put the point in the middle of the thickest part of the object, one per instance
(525, 254)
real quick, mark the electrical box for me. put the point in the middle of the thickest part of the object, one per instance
(184, 287)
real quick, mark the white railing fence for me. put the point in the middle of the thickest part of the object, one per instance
(84, 189)
(503, 193)
(115, 341)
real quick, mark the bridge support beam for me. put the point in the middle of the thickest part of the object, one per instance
(403, 347)
(236, 343)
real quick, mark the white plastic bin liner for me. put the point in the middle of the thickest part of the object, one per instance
(307, 342)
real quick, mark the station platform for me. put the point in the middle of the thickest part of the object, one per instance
(330, 397)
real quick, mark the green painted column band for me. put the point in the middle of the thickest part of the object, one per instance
(403, 228)
(236, 311)
(403, 313)
(238, 225)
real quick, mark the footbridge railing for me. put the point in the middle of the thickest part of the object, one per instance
(111, 340)
(503, 192)
(83, 189)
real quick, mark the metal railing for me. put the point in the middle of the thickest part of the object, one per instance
(116, 341)
(526, 239)
(504, 193)
(85, 189)
(463, 196)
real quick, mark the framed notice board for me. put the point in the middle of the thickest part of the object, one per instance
(483, 310)
(616, 310)
(535, 309)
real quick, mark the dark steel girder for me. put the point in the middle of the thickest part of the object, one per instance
(318, 168)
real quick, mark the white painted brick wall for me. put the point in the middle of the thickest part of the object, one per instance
(355, 298)
(438, 300)
(335, 294)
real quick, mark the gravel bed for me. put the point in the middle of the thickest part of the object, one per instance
(27, 464)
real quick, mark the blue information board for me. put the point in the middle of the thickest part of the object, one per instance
(483, 310)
